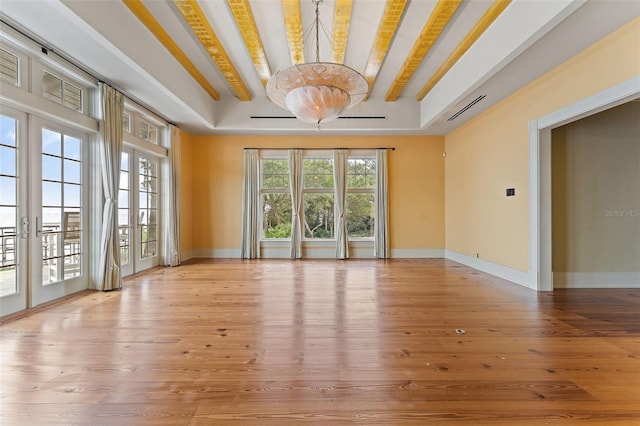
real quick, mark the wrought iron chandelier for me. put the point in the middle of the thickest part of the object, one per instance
(317, 92)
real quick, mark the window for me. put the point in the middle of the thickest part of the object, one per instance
(318, 196)
(318, 192)
(126, 122)
(276, 198)
(61, 91)
(361, 182)
(8, 67)
(148, 132)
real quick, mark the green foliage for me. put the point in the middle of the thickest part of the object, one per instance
(275, 173)
(276, 214)
(318, 215)
(281, 230)
(318, 173)
(360, 215)
(361, 173)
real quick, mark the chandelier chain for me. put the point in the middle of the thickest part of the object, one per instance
(317, 32)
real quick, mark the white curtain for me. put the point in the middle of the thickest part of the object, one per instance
(250, 248)
(340, 158)
(295, 183)
(381, 244)
(110, 146)
(171, 250)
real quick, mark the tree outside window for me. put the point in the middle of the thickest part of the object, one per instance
(318, 198)
(361, 181)
(276, 199)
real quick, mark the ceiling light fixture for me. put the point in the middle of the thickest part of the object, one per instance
(317, 92)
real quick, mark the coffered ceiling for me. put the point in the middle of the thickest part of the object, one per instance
(431, 65)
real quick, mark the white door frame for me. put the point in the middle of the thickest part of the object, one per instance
(136, 263)
(540, 272)
(38, 292)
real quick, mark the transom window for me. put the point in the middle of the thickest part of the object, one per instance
(8, 67)
(147, 131)
(61, 91)
(126, 122)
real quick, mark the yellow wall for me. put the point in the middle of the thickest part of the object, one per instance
(186, 195)
(490, 153)
(416, 186)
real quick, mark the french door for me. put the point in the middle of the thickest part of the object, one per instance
(138, 213)
(43, 211)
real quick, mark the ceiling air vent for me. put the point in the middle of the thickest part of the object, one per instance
(466, 107)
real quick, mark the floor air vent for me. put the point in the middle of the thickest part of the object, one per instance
(466, 107)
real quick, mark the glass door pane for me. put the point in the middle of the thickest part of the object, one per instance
(58, 261)
(13, 215)
(147, 213)
(138, 213)
(124, 214)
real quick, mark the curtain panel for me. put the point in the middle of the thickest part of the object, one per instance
(250, 246)
(296, 179)
(171, 252)
(381, 232)
(110, 146)
(340, 158)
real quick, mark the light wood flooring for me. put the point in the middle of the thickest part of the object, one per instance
(275, 342)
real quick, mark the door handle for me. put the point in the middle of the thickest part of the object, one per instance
(38, 227)
(24, 227)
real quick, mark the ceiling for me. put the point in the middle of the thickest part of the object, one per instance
(203, 64)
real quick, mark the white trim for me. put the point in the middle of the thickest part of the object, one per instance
(514, 275)
(279, 249)
(214, 253)
(320, 249)
(424, 253)
(540, 276)
(596, 279)
(15, 97)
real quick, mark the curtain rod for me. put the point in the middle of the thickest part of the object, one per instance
(322, 149)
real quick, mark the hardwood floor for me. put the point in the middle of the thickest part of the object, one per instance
(325, 342)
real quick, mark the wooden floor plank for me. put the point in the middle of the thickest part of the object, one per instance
(282, 342)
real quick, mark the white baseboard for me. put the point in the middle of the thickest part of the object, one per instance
(215, 253)
(424, 253)
(596, 279)
(186, 255)
(514, 275)
(357, 250)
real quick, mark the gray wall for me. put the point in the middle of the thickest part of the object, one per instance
(596, 192)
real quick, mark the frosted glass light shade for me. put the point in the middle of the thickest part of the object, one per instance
(317, 92)
(317, 104)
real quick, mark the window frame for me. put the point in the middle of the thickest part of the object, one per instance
(363, 155)
(314, 243)
(139, 117)
(317, 155)
(270, 155)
